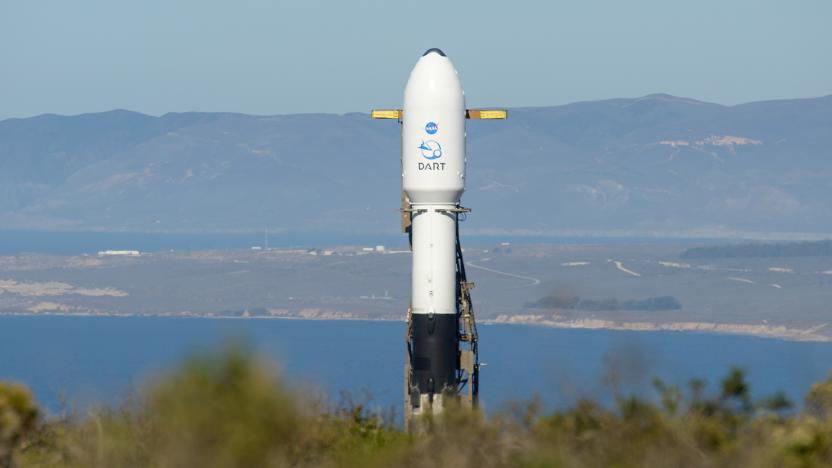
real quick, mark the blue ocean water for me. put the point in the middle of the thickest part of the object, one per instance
(87, 361)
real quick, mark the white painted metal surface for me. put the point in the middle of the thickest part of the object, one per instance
(433, 176)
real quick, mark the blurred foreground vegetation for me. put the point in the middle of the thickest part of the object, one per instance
(231, 409)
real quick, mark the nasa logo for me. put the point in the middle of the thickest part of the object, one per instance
(431, 128)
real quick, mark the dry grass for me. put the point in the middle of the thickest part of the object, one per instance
(231, 409)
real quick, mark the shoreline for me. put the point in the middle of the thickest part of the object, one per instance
(779, 332)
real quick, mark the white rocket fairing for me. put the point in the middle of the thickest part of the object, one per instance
(433, 132)
(433, 179)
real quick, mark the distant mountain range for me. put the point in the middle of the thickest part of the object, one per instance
(652, 166)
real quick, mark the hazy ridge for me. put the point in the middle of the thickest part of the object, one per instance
(656, 165)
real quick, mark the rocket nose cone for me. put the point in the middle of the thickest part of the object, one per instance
(433, 82)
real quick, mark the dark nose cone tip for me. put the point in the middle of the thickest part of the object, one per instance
(434, 51)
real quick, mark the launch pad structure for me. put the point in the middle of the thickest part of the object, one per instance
(441, 340)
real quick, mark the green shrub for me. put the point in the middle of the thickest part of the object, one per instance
(18, 414)
(232, 409)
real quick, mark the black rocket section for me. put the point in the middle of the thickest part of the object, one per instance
(435, 352)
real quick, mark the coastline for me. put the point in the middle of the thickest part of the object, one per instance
(779, 332)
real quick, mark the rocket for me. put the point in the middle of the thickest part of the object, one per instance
(441, 339)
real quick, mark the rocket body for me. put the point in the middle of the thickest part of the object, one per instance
(433, 178)
(442, 344)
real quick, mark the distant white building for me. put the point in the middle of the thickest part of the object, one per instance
(119, 253)
(380, 248)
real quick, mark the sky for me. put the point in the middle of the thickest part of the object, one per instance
(279, 57)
